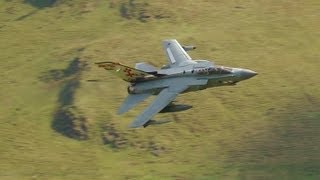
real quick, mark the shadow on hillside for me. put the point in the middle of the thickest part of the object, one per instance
(72, 70)
(41, 3)
(288, 145)
(67, 119)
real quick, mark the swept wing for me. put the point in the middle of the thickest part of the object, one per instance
(131, 101)
(161, 101)
(176, 54)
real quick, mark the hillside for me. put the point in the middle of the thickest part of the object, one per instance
(58, 110)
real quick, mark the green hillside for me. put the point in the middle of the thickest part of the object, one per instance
(57, 123)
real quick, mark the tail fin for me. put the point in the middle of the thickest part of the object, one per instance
(124, 72)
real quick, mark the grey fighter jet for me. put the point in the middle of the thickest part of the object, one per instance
(182, 74)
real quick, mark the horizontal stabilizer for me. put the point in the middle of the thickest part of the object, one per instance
(146, 67)
(131, 101)
(126, 73)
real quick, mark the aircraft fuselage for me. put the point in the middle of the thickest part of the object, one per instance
(210, 76)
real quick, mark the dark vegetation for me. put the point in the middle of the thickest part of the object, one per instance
(41, 3)
(112, 137)
(140, 10)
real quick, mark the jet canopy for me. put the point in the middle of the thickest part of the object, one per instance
(203, 64)
(213, 70)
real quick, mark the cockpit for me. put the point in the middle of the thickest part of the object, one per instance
(213, 70)
(202, 63)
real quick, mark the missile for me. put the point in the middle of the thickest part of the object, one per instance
(175, 108)
(154, 122)
(189, 48)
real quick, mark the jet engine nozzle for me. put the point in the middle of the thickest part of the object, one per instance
(131, 90)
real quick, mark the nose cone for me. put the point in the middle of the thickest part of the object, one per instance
(246, 73)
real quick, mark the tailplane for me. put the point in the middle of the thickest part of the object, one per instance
(124, 72)
(146, 68)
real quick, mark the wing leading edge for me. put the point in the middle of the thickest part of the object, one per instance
(161, 101)
(131, 101)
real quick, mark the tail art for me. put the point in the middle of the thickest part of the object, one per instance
(124, 72)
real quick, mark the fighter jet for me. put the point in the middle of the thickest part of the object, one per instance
(182, 74)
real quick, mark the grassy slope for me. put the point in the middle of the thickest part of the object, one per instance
(265, 127)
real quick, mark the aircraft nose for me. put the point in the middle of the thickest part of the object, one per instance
(246, 73)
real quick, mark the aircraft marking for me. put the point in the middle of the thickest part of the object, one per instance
(171, 55)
